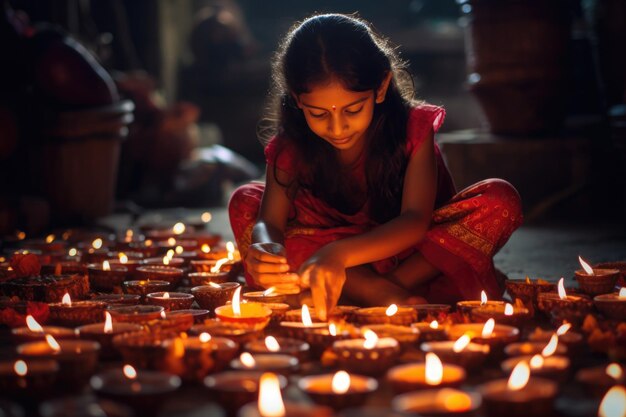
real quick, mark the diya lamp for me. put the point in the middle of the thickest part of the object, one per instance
(423, 375)
(393, 314)
(369, 355)
(77, 359)
(213, 295)
(572, 340)
(198, 314)
(33, 331)
(596, 281)
(562, 307)
(527, 290)
(430, 312)
(95, 252)
(144, 391)
(438, 402)
(599, 379)
(298, 329)
(204, 278)
(339, 390)
(173, 323)
(29, 380)
(146, 350)
(75, 313)
(64, 267)
(270, 295)
(118, 299)
(207, 265)
(145, 247)
(320, 339)
(211, 271)
(553, 367)
(489, 333)
(106, 278)
(614, 403)
(281, 345)
(266, 362)
(103, 333)
(170, 300)
(144, 287)
(533, 348)
(212, 252)
(504, 314)
(466, 307)
(278, 313)
(139, 314)
(254, 315)
(405, 335)
(461, 352)
(170, 274)
(520, 395)
(130, 260)
(167, 260)
(431, 331)
(612, 305)
(240, 334)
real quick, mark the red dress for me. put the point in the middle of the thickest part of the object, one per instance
(466, 231)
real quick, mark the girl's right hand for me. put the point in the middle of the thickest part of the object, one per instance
(267, 265)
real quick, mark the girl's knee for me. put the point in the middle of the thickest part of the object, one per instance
(244, 199)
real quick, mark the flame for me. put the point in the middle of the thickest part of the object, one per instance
(235, 302)
(166, 295)
(508, 309)
(551, 346)
(434, 324)
(588, 269)
(205, 248)
(247, 360)
(148, 242)
(97, 243)
(622, 292)
(332, 329)
(163, 314)
(614, 403)
(106, 266)
(218, 264)
(49, 238)
(488, 328)
(270, 399)
(434, 369)
(341, 382)
(20, 368)
(129, 233)
(53, 343)
(461, 343)
(269, 291)
(179, 347)
(483, 298)
(129, 372)
(536, 362)
(66, 300)
(272, 344)
(391, 310)
(204, 337)
(230, 247)
(179, 249)
(453, 400)
(108, 323)
(178, 229)
(371, 339)
(206, 217)
(519, 377)
(32, 324)
(306, 316)
(20, 235)
(166, 260)
(614, 371)
(171, 241)
(527, 280)
(214, 285)
(563, 329)
(561, 290)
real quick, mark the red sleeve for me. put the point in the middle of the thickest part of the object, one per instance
(279, 153)
(422, 119)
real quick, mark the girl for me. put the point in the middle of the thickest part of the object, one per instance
(357, 197)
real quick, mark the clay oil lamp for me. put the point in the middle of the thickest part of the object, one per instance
(144, 391)
(298, 329)
(212, 252)
(321, 339)
(103, 333)
(198, 314)
(562, 307)
(339, 390)
(33, 331)
(216, 271)
(520, 395)
(507, 314)
(95, 252)
(278, 313)
(64, 267)
(369, 355)
(253, 315)
(466, 307)
(170, 300)
(574, 341)
(241, 334)
(77, 359)
(270, 295)
(528, 290)
(144, 287)
(266, 362)
(146, 350)
(197, 279)
(430, 312)
(405, 335)
(161, 273)
(431, 331)
(402, 316)
(533, 348)
(106, 278)
(145, 247)
(461, 352)
(29, 380)
(173, 323)
(495, 335)
(213, 295)
(281, 345)
(613, 403)
(139, 314)
(118, 299)
(75, 313)
(130, 260)
(167, 260)
(599, 379)
(596, 281)
(552, 367)
(422, 375)
(612, 305)
(447, 402)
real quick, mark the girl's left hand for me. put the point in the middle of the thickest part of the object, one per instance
(325, 273)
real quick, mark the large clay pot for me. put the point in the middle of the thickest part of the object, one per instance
(517, 62)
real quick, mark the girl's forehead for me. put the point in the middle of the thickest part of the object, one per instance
(330, 94)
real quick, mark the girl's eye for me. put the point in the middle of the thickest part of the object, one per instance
(317, 115)
(354, 111)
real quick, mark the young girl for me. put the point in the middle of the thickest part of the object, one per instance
(357, 198)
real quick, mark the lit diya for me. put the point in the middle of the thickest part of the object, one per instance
(554, 367)
(298, 329)
(574, 341)
(321, 339)
(118, 299)
(599, 379)
(466, 307)
(146, 350)
(103, 333)
(129, 260)
(533, 348)
(431, 331)
(369, 355)
(140, 314)
(504, 314)
(612, 305)
(241, 334)
(460, 352)
(270, 295)
(280, 345)
(161, 273)
(339, 390)
(198, 314)
(489, 333)
(385, 315)
(106, 277)
(213, 295)
(405, 335)
(563, 307)
(613, 403)
(30, 380)
(254, 315)
(438, 402)
(527, 290)
(170, 300)
(265, 362)
(144, 287)
(33, 331)
(421, 375)
(596, 281)
(430, 312)
(75, 313)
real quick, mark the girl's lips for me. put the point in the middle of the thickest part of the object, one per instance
(341, 141)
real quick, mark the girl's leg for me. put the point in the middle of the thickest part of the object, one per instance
(365, 287)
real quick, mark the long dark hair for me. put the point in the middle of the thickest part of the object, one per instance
(343, 48)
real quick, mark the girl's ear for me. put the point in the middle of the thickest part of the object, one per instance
(382, 90)
(296, 100)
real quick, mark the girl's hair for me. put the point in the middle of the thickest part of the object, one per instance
(343, 48)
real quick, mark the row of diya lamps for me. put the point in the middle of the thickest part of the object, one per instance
(163, 351)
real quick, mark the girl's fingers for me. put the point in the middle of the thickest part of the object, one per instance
(265, 267)
(318, 291)
(269, 280)
(270, 257)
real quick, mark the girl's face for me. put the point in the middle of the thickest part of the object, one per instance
(339, 116)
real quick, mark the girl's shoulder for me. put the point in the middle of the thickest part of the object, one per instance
(423, 118)
(279, 152)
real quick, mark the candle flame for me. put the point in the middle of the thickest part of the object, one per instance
(20, 235)
(163, 315)
(179, 249)
(20, 368)
(536, 362)
(205, 248)
(332, 329)
(461, 343)
(341, 382)
(488, 328)
(563, 329)
(148, 242)
(97, 243)
(179, 347)
(129, 233)
(551, 346)
(270, 402)
(53, 343)
(272, 344)
(371, 339)
(614, 371)
(166, 260)
(434, 369)
(235, 302)
(206, 217)
(108, 322)
(527, 280)
(66, 300)
(204, 337)
(269, 291)
(561, 290)
(218, 264)
(483, 298)
(247, 360)
(588, 269)
(614, 403)
(508, 309)
(214, 285)
(122, 257)
(434, 324)
(622, 292)
(178, 229)
(49, 238)
(519, 377)
(72, 252)
(106, 266)
(391, 310)
(306, 316)
(166, 295)
(129, 372)
(454, 400)
(32, 324)
(171, 241)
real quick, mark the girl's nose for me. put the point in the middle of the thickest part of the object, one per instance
(336, 125)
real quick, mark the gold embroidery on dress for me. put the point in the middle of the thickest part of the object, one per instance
(466, 236)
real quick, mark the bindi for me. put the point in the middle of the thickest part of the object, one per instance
(334, 107)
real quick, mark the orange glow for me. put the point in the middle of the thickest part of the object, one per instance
(483, 298)
(269, 291)
(166, 260)
(32, 324)
(461, 343)
(306, 316)
(235, 302)
(371, 339)
(247, 360)
(97, 243)
(434, 324)
(622, 292)
(122, 257)
(508, 310)
(563, 329)
(179, 249)
(588, 269)
(108, 323)
(332, 329)
(53, 343)
(454, 400)
(206, 217)
(57, 269)
(20, 235)
(129, 372)
(49, 238)
(614, 403)
(341, 382)
(270, 399)
(218, 264)
(561, 290)
(230, 247)
(204, 337)
(106, 266)
(166, 295)
(205, 248)
(488, 328)
(171, 241)
(434, 369)
(66, 300)
(272, 344)
(178, 229)
(551, 346)
(391, 310)
(519, 377)
(527, 280)
(536, 362)
(20, 368)
(214, 285)
(614, 371)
